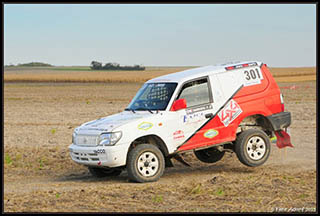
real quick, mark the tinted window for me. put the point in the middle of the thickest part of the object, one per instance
(195, 92)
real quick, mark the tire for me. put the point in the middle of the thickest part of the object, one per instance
(104, 172)
(210, 155)
(252, 147)
(145, 163)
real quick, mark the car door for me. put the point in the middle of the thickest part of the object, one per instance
(214, 129)
(186, 122)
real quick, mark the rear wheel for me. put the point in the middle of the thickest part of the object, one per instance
(104, 172)
(252, 147)
(145, 163)
(210, 155)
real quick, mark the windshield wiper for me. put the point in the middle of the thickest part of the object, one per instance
(143, 108)
(128, 109)
(149, 110)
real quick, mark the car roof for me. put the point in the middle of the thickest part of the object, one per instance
(189, 74)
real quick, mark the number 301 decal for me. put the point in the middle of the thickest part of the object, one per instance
(252, 76)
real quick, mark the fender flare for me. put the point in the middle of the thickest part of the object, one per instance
(262, 120)
(153, 139)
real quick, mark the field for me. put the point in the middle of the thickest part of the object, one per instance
(84, 74)
(43, 106)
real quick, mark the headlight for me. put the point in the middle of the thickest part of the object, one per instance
(74, 137)
(74, 134)
(110, 138)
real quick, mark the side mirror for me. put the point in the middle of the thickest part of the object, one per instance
(179, 104)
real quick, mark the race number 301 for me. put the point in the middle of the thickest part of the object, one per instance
(252, 76)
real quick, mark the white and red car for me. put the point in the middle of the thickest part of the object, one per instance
(209, 110)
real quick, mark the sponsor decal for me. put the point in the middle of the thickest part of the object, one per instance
(198, 109)
(160, 84)
(179, 134)
(192, 118)
(241, 66)
(230, 112)
(145, 126)
(252, 76)
(99, 151)
(210, 133)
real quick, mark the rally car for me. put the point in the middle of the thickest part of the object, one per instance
(209, 110)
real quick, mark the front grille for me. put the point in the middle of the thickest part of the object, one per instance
(86, 140)
(84, 156)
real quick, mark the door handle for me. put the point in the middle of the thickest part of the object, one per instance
(208, 115)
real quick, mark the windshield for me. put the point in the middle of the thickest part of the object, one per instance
(152, 96)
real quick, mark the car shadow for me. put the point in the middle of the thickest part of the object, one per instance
(87, 177)
(197, 168)
(205, 169)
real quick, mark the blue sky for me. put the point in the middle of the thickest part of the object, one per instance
(280, 35)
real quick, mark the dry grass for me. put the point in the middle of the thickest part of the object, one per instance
(283, 72)
(47, 75)
(123, 76)
(294, 74)
(63, 186)
(39, 175)
(217, 188)
(296, 78)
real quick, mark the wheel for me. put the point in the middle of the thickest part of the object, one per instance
(210, 155)
(145, 163)
(103, 172)
(252, 147)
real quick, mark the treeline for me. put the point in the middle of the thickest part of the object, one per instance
(114, 66)
(31, 64)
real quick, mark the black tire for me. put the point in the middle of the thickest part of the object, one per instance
(209, 155)
(252, 147)
(104, 172)
(145, 163)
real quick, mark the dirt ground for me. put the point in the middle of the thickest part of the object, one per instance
(39, 175)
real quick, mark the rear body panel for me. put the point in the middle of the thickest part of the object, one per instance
(259, 98)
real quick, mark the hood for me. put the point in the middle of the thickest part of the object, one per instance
(111, 122)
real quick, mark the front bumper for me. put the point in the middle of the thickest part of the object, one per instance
(107, 156)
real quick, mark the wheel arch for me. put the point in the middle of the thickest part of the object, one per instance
(255, 120)
(151, 139)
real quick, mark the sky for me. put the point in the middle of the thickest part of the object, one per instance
(280, 35)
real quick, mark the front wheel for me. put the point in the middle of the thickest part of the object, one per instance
(252, 147)
(145, 163)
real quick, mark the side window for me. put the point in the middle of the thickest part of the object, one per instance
(195, 92)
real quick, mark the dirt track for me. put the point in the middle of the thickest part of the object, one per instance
(39, 175)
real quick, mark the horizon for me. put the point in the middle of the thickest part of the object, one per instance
(174, 66)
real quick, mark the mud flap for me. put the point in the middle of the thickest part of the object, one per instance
(283, 139)
(180, 159)
(168, 162)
